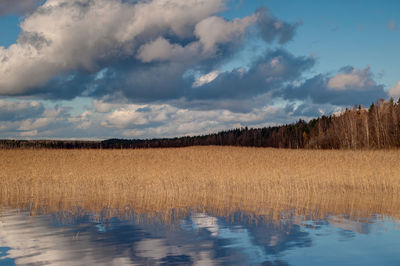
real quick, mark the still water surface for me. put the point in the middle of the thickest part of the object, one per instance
(198, 238)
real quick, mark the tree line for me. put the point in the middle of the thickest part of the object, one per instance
(377, 127)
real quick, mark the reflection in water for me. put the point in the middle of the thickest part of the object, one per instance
(198, 238)
(200, 205)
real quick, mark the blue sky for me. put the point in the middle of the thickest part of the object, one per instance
(95, 69)
(340, 33)
(9, 28)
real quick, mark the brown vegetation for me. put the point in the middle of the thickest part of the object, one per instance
(220, 180)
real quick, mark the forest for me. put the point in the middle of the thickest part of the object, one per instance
(375, 127)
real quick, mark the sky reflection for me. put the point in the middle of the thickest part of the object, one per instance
(198, 239)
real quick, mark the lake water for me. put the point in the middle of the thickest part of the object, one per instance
(197, 238)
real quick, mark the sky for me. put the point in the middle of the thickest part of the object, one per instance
(98, 69)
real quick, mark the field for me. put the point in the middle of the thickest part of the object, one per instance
(268, 183)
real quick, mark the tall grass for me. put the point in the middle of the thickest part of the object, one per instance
(219, 180)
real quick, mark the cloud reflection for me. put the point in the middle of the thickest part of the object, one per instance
(199, 239)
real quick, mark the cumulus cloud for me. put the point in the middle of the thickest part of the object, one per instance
(49, 116)
(162, 50)
(108, 120)
(133, 115)
(349, 87)
(210, 32)
(140, 50)
(168, 120)
(61, 36)
(272, 28)
(18, 110)
(30, 118)
(17, 6)
(269, 72)
(171, 81)
(207, 78)
(157, 68)
(395, 91)
(212, 88)
(214, 30)
(309, 109)
(173, 121)
(102, 106)
(351, 78)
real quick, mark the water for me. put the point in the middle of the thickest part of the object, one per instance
(197, 238)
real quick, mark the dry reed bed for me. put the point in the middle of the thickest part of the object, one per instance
(219, 180)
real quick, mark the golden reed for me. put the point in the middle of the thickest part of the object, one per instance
(267, 183)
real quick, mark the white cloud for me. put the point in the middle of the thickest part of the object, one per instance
(169, 121)
(30, 124)
(36, 241)
(207, 78)
(214, 30)
(18, 106)
(131, 115)
(49, 116)
(105, 120)
(353, 79)
(162, 50)
(66, 35)
(395, 91)
(31, 133)
(101, 106)
(82, 121)
(141, 51)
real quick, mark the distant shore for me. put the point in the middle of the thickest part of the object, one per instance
(377, 127)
